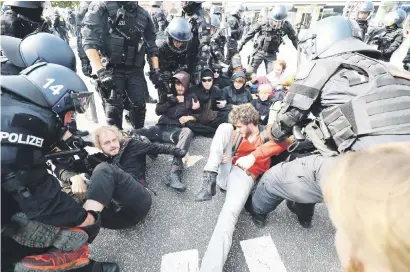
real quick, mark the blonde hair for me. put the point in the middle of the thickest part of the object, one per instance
(368, 194)
(245, 114)
(98, 131)
(282, 63)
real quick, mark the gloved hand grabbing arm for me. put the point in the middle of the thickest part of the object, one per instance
(155, 77)
(86, 66)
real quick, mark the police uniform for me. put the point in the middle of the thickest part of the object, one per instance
(199, 49)
(236, 25)
(126, 48)
(268, 42)
(159, 19)
(388, 41)
(358, 102)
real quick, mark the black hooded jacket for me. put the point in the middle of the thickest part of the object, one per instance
(234, 96)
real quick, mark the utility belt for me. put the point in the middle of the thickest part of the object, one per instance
(20, 182)
(127, 55)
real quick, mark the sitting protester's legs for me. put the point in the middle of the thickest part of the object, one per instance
(239, 186)
(214, 169)
(109, 182)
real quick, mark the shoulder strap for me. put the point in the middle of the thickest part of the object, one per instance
(236, 142)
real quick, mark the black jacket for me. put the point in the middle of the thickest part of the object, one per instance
(263, 109)
(131, 159)
(236, 97)
(171, 112)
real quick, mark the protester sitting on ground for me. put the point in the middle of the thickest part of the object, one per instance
(213, 106)
(263, 102)
(236, 159)
(276, 76)
(368, 198)
(220, 79)
(175, 113)
(237, 93)
(117, 186)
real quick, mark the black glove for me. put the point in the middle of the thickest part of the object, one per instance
(105, 77)
(165, 76)
(156, 77)
(179, 153)
(86, 66)
(172, 99)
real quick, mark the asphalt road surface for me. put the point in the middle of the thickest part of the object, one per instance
(175, 234)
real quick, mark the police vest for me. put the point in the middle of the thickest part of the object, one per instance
(171, 60)
(127, 44)
(381, 106)
(270, 39)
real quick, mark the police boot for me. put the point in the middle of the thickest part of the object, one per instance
(304, 212)
(137, 116)
(174, 180)
(113, 111)
(208, 189)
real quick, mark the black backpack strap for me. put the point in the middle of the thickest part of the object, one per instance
(236, 142)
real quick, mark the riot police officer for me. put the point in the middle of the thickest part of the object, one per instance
(23, 18)
(22, 53)
(173, 54)
(217, 11)
(35, 107)
(389, 38)
(124, 32)
(269, 39)
(218, 40)
(199, 49)
(85, 63)
(363, 15)
(158, 17)
(357, 100)
(236, 25)
(60, 26)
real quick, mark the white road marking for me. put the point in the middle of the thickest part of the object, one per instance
(261, 255)
(182, 261)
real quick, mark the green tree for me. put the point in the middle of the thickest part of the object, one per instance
(65, 4)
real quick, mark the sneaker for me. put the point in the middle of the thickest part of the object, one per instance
(38, 235)
(54, 260)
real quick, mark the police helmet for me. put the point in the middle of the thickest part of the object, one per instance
(179, 30)
(395, 17)
(333, 35)
(238, 10)
(37, 47)
(277, 16)
(217, 10)
(365, 8)
(50, 86)
(156, 3)
(215, 22)
(25, 4)
(190, 6)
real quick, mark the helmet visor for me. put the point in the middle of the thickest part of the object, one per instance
(178, 46)
(82, 101)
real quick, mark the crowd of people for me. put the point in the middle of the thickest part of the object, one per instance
(337, 131)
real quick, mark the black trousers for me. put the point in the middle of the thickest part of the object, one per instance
(130, 88)
(126, 200)
(208, 130)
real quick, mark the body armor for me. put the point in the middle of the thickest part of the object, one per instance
(270, 39)
(127, 44)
